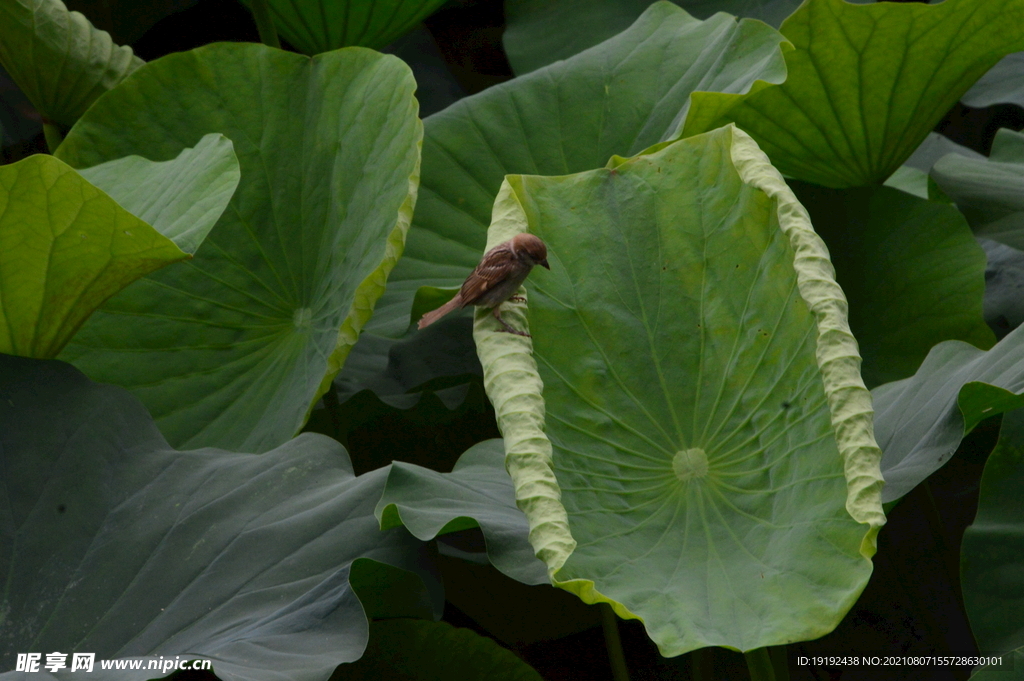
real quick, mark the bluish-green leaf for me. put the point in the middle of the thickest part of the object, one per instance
(117, 544)
(478, 492)
(920, 420)
(1002, 84)
(988, 191)
(540, 32)
(912, 176)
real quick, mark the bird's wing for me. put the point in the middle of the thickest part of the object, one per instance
(495, 268)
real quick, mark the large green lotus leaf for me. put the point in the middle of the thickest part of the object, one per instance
(234, 350)
(477, 493)
(867, 83)
(620, 97)
(913, 273)
(711, 467)
(921, 420)
(992, 556)
(315, 26)
(540, 32)
(65, 247)
(416, 650)
(58, 59)
(182, 198)
(989, 191)
(119, 545)
(1003, 84)
(617, 98)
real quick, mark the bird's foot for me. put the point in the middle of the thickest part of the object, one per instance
(518, 299)
(505, 327)
(509, 329)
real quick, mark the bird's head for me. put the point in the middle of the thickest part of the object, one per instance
(532, 249)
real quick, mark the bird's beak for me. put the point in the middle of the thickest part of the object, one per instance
(544, 262)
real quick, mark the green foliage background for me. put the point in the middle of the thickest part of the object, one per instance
(246, 452)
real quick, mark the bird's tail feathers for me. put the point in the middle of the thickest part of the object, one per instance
(434, 315)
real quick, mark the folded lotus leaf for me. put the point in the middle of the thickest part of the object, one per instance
(911, 269)
(687, 429)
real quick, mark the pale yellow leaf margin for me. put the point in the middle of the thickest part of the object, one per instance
(372, 287)
(515, 388)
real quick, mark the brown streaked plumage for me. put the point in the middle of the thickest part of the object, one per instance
(499, 275)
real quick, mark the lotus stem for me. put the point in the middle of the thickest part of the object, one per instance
(702, 665)
(613, 642)
(53, 136)
(759, 664)
(780, 662)
(264, 23)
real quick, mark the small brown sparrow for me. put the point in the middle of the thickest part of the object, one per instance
(499, 275)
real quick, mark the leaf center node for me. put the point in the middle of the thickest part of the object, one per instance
(690, 463)
(303, 318)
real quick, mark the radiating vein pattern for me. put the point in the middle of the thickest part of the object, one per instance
(692, 439)
(243, 335)
(315, 26)
(867, 82)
